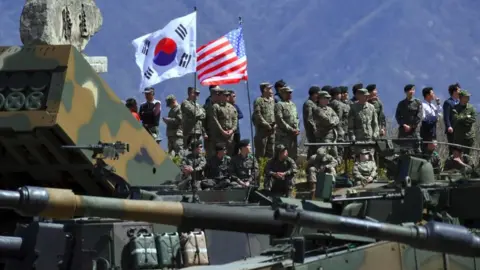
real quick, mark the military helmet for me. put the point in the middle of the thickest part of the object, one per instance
(280, 147)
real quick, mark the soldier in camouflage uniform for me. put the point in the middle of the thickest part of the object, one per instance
(355, 88)
(214, 97)
(375, 101)
(224, 123)
(308, 120)
(326, 123)
(464, 118)
(217, 169)
(362, 119)
(409, 114)
(174, 126)
(264, 120)
(193, 116)
(280, 173)
(321, 162)
(344, 97)
(244, 169)
(459, 161)
(365, 169)
(193, 166)
(431, 155)
(286, 118)
(342, 110)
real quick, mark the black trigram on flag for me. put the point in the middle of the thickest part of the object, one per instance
(146, 46)
(185, 60)
(148, 74)
(181, 31)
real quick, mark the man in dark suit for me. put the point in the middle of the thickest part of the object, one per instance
(448, 105)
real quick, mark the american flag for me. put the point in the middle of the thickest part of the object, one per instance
(223, 61)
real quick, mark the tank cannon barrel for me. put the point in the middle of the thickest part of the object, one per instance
(64, 204)
(10, 246)
(434, 236)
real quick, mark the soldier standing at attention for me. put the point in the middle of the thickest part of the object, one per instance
(375, 101)
(244, 167)
(215, 95)
(193, 116)
(217, 168)
(342, 110)
(223, 123)
(362, 119)
(280, 173)
(355, 88)
(326, 122)
(279, 85)
(131, 104)
(409, 115)
(431, 111)
(264, 120)
(464, 118)
(236, 136)
(365, 169)
(193, 166)
(150, 112)
(448, 105)
(344, 97)
(308, 121)
(174, 126)
(286, 118)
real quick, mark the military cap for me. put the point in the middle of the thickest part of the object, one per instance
(464, 93)
(408, 87)
(216, 88)
(286, 89)
(220, 147)
(189, 89)
(327, 88)
(243, 143)
(357, 86)
(170, 97)
(228, 92)
(213, 86)
(371, 87)
(324, 94)
(343, 89)
(280, 147)
(457, 147)
(148, 90)
(265, 85)
(314, 89)
(363, 91)
(321, 151)
(195, 144)
(280, 83)
(335, 90)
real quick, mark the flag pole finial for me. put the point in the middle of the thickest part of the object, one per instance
(240, 21)
(195, 8)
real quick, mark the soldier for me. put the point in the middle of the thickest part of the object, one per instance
(244, 167)
(236, 136)
(326, 122)
(223, 123)
(193, 115)
(217, 169)
(431, 111)
(279, 85)
(355, 88)
(365, 169)
(286, 118)
(131, 104)
(464, 119)
(344, 92)
(215, 95)
(212, 89)
(448, 106)
(431, 155)
(174, 126)
(264, 120)
(320, 162)
(193, 166)
(308, 121)
(362, 119)
(342, 110)
(375, 101)
(150, 112)
(459, 161)
(280, 173)
(408, 114)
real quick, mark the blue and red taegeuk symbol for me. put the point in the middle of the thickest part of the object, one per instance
(165, 52)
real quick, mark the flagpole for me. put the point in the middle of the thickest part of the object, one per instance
(195, 114)
(240, 22)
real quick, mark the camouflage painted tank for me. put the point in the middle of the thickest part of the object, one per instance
(50, 97)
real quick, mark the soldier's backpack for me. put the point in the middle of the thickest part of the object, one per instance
(169, 250)
(143, 252)
(194, 248)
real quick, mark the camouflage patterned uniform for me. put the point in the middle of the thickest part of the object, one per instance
(382, 121)
(464, 119)
(452, 165)
(193, 115)
(309, 124)
(286, 118)
(326, 123)
(241, 169)
(174, 129)
(282, 186)
(362, 121)
(218, 170)
(224, 117)
(264, 121)
(320, 162)
(198, 163)
(364, 171)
